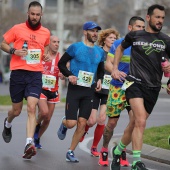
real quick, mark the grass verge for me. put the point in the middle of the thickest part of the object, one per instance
(157, 136)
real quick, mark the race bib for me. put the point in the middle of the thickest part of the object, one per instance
(85, 78)
(33, 56)
(126, 84)
(106, 81)
(48, 81)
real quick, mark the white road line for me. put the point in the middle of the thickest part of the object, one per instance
(83, 146)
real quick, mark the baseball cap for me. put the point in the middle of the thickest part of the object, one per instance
(90, 25)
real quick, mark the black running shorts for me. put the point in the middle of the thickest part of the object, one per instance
(79, 102)
(149, 95)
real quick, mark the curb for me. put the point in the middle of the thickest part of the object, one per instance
(149, 152)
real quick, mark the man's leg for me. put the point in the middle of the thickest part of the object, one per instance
(107, 135)
(31, 124)
(140, 116)
(15, 111)
(99, 129)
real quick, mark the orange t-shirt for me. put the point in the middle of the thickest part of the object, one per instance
(36, 39)
(50, 74)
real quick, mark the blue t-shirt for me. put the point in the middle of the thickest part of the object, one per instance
(84, 58)
(124, 63)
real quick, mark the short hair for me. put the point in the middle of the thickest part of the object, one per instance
(134, 19)
(153, 7)
(35, 3)
(103, 34)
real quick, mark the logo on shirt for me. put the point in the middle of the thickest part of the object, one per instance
(155, 46)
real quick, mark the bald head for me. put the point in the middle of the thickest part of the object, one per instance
(54, 43)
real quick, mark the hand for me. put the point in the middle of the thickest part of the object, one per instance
(118, 75)
(46, 57)
(61, 76)
(166, 68)
(99, 85)
(73, 79)
(21, 52)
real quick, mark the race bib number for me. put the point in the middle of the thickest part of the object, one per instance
(106, 81)
(48, 81)
(126, 84)
(85, 78)
(33, 56)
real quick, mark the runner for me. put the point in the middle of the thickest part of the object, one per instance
(105, 40)
(26, 66)
(49, 95)
(116, 102)
(145, 74)
(85, 57)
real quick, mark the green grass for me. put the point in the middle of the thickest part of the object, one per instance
(6, 100)
(157, 136)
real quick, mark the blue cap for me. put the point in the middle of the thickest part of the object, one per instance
(89, 25)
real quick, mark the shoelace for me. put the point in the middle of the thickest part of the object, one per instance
(104, 156)
(64, 130)
(123, 155)
(8, 131)
(141, 164)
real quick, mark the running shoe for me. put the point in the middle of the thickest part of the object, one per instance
(70, 157)
(37, 129)
(103, 159)
(94, 152)
(6, 134)
(139, 166)
(37, 143)
(62, 130)
(123, 159)
(82, 138)
(115, 164)
(29, 151)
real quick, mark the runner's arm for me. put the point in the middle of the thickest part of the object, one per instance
(62, 65)
(109, 63)
(6, 47)
(100, 70)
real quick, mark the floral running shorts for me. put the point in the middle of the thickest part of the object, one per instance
(116, 101)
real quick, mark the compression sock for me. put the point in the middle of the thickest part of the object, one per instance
(97, 135)
(87, 128)
(136, 156)
(120, 147)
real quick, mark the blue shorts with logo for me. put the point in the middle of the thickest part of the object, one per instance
(24, 83)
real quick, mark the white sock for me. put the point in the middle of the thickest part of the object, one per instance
(7, 124)
(29, 140)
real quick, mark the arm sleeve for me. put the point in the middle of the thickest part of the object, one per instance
(62, 65)
(100, 70)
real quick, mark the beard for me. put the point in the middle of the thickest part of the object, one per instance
(154, 28)
(33, 25)
(90, 39)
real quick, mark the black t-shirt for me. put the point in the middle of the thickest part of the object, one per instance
(146, 53)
